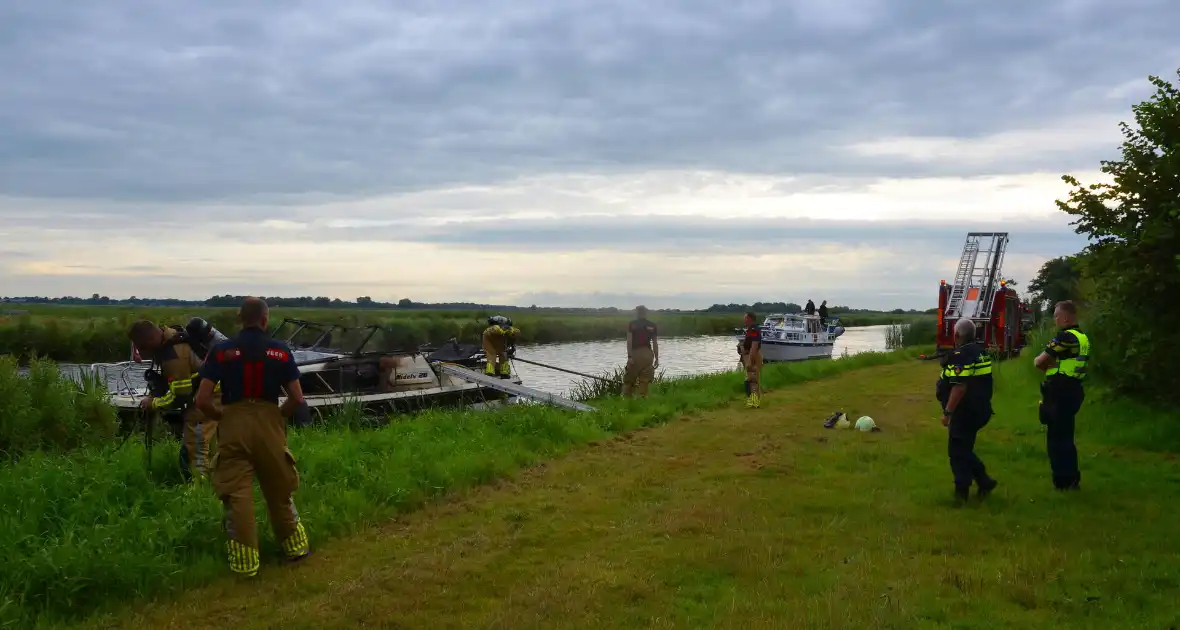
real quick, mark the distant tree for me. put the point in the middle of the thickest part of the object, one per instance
(1057, 280)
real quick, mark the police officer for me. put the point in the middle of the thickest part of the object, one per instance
(172, 353)
(643, 353)
(253, 370)
(497, 337)
(750, 350)
(965, 392)
(1064, 363)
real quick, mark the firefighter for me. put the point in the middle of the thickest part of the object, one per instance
(1064, 363)
(643, 353)
(496, 339)
(965, 392)
(176, 361)
(253, 370)
(750, 350)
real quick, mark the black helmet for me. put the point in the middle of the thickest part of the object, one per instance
(198, 329)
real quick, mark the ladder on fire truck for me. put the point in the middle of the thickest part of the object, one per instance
(978, 276)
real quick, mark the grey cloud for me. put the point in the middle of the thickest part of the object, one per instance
(692, 236)
(224, 100)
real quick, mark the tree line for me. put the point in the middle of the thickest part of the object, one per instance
(1127, 280)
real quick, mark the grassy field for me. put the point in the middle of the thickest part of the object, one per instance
(99, 333)
(731, 518)
(95, 527)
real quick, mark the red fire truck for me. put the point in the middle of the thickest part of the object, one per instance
(980, 294)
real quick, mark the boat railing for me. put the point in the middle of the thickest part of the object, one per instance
(103, 372)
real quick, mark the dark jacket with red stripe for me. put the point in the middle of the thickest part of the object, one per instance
(252, 365)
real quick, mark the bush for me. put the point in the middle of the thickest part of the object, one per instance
(1133, 264)
(47, 410)
(916, 333)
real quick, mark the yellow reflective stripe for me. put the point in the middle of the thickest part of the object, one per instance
(296, 544)
(242, 559)
(980, 368)
(179, 387)
(1074, 367)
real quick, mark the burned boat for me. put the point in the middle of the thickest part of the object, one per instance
(335, 375)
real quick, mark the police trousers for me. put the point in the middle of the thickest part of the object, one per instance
(253, 443)
(640, 371)
(966, 467)
(1060, 402)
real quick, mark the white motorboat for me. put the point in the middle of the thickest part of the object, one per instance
(797, 337)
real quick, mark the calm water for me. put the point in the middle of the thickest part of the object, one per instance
(679, 356)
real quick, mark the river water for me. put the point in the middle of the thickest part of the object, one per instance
(679, 356)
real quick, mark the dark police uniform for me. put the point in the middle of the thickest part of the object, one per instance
(640, 357)
(1061, 399)
(971, 366)
(251, 368)
(752, 360)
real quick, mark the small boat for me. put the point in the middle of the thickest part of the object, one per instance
(378, 381)
(797, 337)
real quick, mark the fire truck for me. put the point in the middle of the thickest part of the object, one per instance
(980, 294)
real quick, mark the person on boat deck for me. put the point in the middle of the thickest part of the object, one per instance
(965, 393)
(823, 311)
(496, 339)
(810, 308)
(643, 353)
(168, 348)
(254, 370)
(750, 349)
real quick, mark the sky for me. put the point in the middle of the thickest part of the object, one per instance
(570, 153)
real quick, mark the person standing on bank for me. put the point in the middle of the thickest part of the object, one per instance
(643, 353)
(1064, 363)
(750, 350)
(253, 370)
(965, 391)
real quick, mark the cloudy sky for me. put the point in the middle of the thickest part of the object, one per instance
(554, 152)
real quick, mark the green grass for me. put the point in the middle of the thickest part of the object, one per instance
(96, 334)
(732, 518)
(95, 527)
(47, 411)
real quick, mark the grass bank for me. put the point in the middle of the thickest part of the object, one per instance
(96, 527)
(764, 519)
(99, 333)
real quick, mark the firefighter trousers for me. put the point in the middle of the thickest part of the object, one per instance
(252, 442)
(753, 364)
(197, 440)
(496, 352)
(640, 371)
